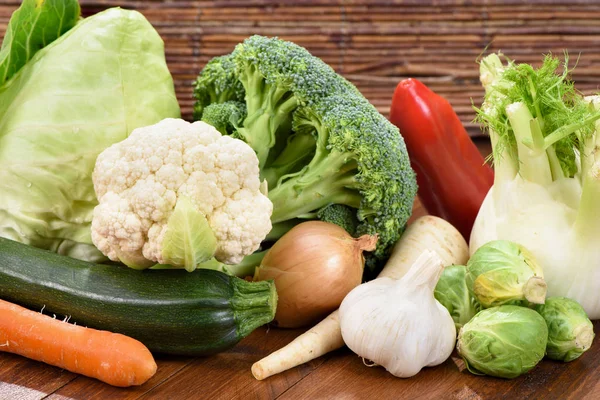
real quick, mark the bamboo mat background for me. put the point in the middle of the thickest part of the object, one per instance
(377, 43)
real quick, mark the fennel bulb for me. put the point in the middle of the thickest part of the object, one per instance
(546, 193)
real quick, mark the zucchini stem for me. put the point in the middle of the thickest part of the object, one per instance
(254, 304)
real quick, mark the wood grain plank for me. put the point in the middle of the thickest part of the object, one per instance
(85, 388)
(382, 39)
(227, 375)
(23, 379)
(344, 376)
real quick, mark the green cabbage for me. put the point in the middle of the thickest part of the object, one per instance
(452, 292)
(504, 341)
(570, 331)
(503, 272)
(75, 97)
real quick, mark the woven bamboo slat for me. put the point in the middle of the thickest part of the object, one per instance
(376, 43)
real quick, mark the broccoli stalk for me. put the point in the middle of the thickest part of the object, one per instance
(330, 177)
(319, 142)
(269, 113)
(322, 183)
(278, 77)
(299, 150)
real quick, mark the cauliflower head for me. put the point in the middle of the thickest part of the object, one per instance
(179, 193)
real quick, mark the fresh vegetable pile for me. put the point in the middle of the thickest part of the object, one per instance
(415, 246)
(122, 217)
(496, 300)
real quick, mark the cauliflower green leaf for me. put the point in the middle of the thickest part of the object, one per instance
(188, 239)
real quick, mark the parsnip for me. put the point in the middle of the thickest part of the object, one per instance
(425, 233)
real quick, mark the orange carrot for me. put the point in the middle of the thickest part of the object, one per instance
(110, 357)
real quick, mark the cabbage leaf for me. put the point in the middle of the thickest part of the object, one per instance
(33, 26)
(75, 97)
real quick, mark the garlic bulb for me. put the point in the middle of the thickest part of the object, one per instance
(399, 324)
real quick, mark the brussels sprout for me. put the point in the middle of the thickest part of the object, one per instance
(451, 291)
(570, 331)
(504, 341)
(503, 272)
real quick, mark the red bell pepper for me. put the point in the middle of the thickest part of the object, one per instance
(452, 174)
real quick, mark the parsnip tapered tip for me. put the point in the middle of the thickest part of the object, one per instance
(258, 371)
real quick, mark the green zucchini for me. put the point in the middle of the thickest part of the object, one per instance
(170, 311)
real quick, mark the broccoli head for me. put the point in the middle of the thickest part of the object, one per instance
(340, 215)
(217, 83)
(226, 117)
(319, 142)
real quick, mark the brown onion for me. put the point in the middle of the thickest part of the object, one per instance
(314, 266)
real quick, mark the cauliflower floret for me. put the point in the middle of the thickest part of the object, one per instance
(139, 181)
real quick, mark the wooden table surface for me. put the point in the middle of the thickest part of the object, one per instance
(338, 375)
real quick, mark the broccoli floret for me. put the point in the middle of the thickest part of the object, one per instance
(226, 117)
(340, 215)
(217, 83)
(319, 141)
(279, 76)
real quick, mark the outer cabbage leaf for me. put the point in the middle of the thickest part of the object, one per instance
(87, 90)
(504, 341)
(570, 331)
(452, 292)
(36, 24)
